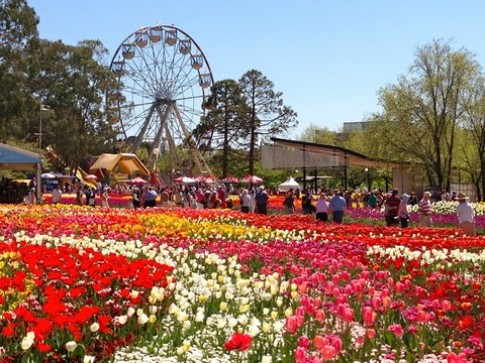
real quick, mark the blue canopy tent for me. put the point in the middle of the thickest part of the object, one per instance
(14, 158)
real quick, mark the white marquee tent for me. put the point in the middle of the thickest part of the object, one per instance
(289, 184)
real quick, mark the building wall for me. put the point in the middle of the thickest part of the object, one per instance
(406, 182)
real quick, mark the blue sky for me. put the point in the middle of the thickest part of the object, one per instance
(329, 58)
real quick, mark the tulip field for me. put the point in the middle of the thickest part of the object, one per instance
(82, 284)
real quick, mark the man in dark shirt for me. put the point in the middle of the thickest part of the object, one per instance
(262, 201)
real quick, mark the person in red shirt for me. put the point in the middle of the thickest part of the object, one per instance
(391, 208)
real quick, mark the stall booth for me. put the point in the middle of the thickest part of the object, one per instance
(14, 158)
(112, 168)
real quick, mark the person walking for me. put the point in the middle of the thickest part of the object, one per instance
(372, 200)
(289, 202)
(90, 197)
(425, 210)
(306, 203)
(79, 195)
(322, 208)
(149, 198)
(56, 195)
(391, 207)
(246, 201)
(466, 216)
(402, 212)
(136, 198)
(261, 199)
(337, 207)
(31, 197)
(104, 197)
(413, 200)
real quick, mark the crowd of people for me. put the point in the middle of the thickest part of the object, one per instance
(325, 204)
(396, 208)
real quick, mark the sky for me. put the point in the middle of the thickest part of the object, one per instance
(329, 58)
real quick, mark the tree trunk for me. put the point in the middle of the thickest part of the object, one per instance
(225, 148)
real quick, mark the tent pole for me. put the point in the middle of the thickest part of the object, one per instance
(38, 181)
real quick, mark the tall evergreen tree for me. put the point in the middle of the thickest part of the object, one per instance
(225, 120)
(267, 114)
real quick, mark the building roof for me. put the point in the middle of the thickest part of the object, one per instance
(128, 163)
(14, 158)
(346, 156)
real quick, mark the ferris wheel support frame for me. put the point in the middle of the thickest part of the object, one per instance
(174, 156)
(141, 134)
(199, 160)
(158, 139)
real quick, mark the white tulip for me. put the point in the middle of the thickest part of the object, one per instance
(71, 346)
(26, 343)
(94, 327)
(142, 319)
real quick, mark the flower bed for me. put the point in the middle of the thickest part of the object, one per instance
(80, 283)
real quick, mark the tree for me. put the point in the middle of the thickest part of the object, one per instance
(225, 122)
(319, 134)
(473, 123)
(267, 114)
(18, 44)
(421, 112)
(72, 80)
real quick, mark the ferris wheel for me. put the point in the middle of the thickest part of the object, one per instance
(163, 79)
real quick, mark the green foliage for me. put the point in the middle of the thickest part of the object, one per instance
(267, 113)
(320, 135)
(18, 45)
(72, 82)
(472, 140)
(225, 124)
(421, 112)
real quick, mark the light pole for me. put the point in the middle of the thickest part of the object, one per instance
(368, 178)
(39, 134)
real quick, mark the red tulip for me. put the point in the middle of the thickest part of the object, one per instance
(238, 341)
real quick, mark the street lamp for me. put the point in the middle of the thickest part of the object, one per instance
(39, 134)
(368, 178)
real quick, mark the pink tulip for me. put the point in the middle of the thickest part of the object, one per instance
(291, 324)
(304, 342)
(320, 342)
(456, 358)
(371, 333)
(446, 305)
(412, 329)
(328, 352)
(300, 355)
(399, 287)
(345, 312)
(336, 342)
(396, 329)
(435, 304)
(369, 316)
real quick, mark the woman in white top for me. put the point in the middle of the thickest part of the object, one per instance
(322, 208)
(246, 201)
